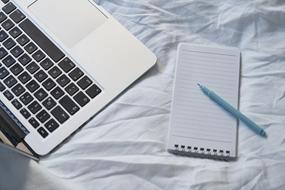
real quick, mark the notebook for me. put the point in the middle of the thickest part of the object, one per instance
(198, 126)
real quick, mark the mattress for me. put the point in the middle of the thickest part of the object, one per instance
(124, 147)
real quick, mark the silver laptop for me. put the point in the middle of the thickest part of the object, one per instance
(62, 61)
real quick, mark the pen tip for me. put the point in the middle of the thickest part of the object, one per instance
(199, 85)
(263, 134)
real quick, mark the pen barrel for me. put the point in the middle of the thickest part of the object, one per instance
(235, 112)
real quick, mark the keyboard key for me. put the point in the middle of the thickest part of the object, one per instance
(15, 32)
(16, 69)
(17, 104)
(18, 90)
(63, 80)
(26, 98)
(49, 84)
(9, 43)
(38, 55)
(46, 64)
(34, 122)
(43, 116)
(32, 86)
(51, 125)
(9, 61)
(2, 87)
(25, 113)
(71, 89)
(42, 132)
(33, 67)
(76, 74)
(23, 40)
(3, 73)
(40, 94)
(55, 72)
(7, 24)
(24, 77)
(5, 1)
(34, 107)
(41, 75)
(69, 105)
(10, 81)
(84, 82)
(57, 93)
(3, 35)
(49, 103)
(81, 99)
(25, 59)
(2, 17)
(17, 16)
(47, 46)
(8, 8)
(60, 115)
(8, 95)
(31, 47)
(93, 91)
(17, 51)
(66, 65)
(3, 53)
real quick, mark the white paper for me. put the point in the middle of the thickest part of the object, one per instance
(196, 121)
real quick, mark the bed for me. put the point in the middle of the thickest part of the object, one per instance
(124, 147)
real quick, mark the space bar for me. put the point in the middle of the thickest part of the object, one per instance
(45, 44)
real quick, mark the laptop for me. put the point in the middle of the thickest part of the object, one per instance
(62, 61)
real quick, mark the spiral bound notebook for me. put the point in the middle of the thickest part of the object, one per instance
(199, 127)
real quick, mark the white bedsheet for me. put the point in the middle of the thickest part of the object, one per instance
(124, 146)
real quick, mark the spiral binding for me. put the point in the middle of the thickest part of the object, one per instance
(201, 150)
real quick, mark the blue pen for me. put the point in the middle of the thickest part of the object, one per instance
(226, 106)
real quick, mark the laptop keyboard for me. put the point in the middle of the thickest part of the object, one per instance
(36, 76)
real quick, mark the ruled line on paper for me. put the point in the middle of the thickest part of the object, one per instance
(202, 138)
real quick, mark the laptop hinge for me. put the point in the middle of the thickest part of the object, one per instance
(10, 123)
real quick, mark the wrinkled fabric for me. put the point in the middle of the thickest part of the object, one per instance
(124, 147)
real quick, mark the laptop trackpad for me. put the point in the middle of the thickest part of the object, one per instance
(69, 21)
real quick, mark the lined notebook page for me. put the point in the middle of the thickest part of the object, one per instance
(198, 124)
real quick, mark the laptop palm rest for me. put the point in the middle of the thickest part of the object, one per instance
(71, 24)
